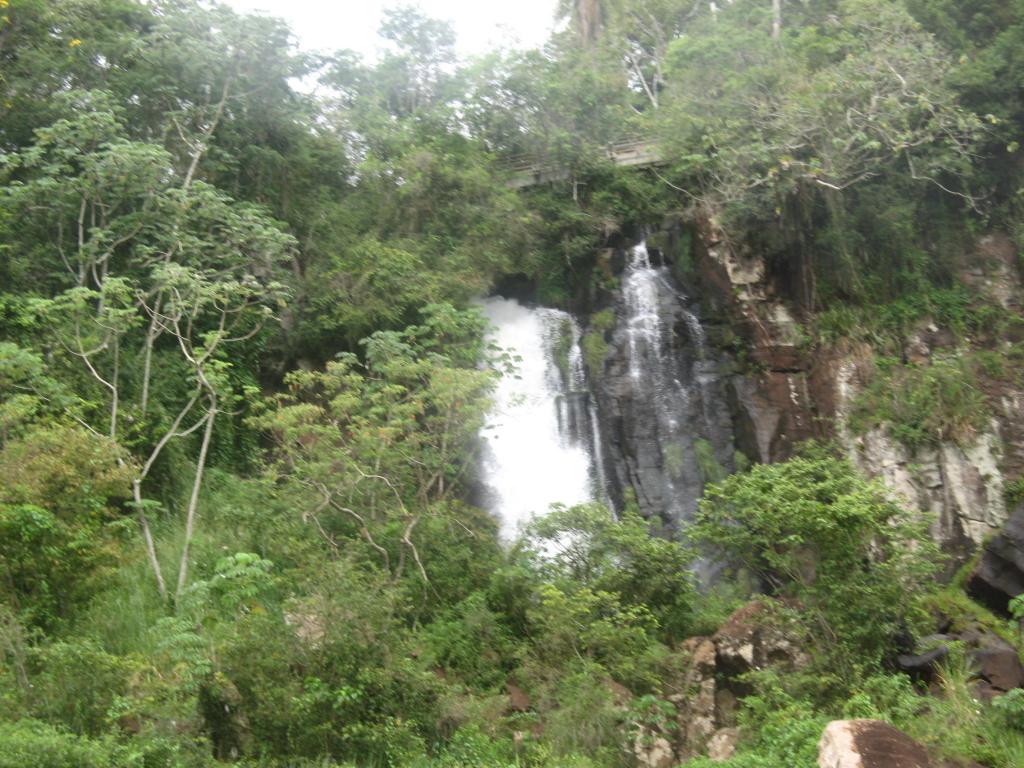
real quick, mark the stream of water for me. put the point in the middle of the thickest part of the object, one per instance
(540, 441)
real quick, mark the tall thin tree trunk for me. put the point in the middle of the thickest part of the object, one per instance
(776, 19)
(147, 535)
(115, 399)
(193, 501)
(147, 358)
(589, 17)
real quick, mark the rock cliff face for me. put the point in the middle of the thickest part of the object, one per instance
(961, 486)
(777, 402)
(789, 394)
(706, 690)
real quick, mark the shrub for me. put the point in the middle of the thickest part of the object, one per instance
(838, 546)
(595, 350)
(603, 321)
(31, 743)
(472, 641)
(59, 526)
(923, 405)
(586, 546)
(76, 684)
(1011, 708)
(1014, 492)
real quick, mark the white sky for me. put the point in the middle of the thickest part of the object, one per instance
(481, 25)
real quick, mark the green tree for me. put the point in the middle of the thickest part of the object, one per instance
(587, 545)
(853, 560)
(59, 523)
(149, 255)
(855, 96)
(371, 447)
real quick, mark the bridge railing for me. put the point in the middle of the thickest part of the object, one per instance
(523, 163)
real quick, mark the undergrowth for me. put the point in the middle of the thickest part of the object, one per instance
(924, 405)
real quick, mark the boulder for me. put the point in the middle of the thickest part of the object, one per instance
(750, 639)
(722, 745)
(921, 666)
(653, 751)
(921, 660)
(997, 667)
(869, 744)
(996, 664)
(999, 574)
(695, 704)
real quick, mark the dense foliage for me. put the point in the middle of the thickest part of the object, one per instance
(241, 374)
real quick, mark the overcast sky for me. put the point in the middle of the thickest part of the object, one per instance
(481, 25)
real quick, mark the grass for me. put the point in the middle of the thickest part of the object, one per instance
(924, 405)
(595, 350)
(956, 725)
(886, 326)
(1014, 492)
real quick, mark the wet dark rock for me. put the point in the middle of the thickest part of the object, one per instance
(773, 414)
(922, 666)
(996, 665)
(520, 287)
(999, 574)
(999, 671)
(661, 397)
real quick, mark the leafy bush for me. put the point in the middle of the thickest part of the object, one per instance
(595, 350)
(31, 743)
(955, 725)
(60, 528)
(586, 546)
(711, 470)
(839, 547)
(1011, 708)
(887, 326)
(76, 683)
(584, 717)
(1014, 492)
(603, 321)
(472, 641)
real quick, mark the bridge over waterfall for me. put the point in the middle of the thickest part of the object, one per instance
(628, 153)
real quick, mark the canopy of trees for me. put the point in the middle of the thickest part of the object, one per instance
(241, 373)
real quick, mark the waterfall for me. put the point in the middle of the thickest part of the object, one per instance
(655, 422)
(540, 439)
(662, 396)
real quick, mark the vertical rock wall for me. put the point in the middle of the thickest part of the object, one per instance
(788, 394)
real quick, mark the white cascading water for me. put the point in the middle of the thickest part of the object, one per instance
(538, 436)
